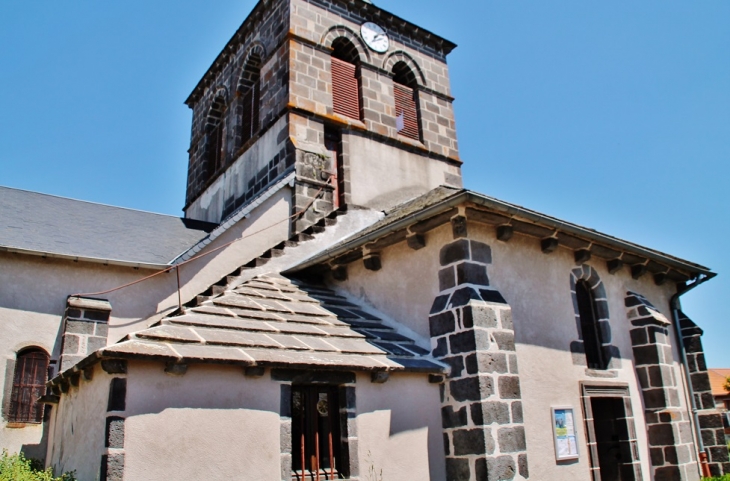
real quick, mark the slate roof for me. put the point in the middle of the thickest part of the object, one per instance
(43, 223)
(275, 321)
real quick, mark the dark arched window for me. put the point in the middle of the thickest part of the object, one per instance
(29, 384)
(215, 145)
(249, 91)
(592, 341)
(345, 79)
(405, 90)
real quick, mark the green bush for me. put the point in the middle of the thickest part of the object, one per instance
(721, 478)
(16, 467)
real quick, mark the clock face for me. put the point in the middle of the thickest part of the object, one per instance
(375, 37)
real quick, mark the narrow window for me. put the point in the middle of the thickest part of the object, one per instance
(317, 445)
(250, 95)
(29, 384)
(215, 138)
(592, 341)
(345, 79)
(333, 145)
(405, 90)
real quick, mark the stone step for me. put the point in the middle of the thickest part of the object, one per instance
(286, 243)
(272, 253)
(257, 262)
(303, 237)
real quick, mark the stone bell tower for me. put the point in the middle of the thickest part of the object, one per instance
(351, 100)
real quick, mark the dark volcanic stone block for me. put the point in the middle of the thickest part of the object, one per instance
(469, 441)
(509, 387)
(511, 439)
(114, 432)
(469, 273)
(463, 342)
(481, 252)
(457, 469)
(500, 468)
(454, 252)
(453, 419)
(472, 388)
(441, 324)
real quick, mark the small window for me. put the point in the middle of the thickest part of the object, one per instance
(345, 79)
(317, 445)
(29, 384)
(405, 90)
(592, 341)
(215, 138)
(333, 145)
(250, 92)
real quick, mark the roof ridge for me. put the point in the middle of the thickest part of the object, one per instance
(89, 202)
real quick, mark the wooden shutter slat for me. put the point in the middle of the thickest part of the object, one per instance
(405, 105)
(345, 89)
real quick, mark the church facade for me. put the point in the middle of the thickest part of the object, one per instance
(335, 305)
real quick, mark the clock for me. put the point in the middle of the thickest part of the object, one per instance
(374, 37)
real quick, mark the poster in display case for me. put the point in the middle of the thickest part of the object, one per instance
(564, 433)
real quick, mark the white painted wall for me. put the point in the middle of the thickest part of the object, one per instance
(399, 428)
(211, 423)
(34, 291)
(537, 287)
(215, 423)
(78, 428)
(383, 176)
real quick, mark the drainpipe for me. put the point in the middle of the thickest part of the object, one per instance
(675, 306)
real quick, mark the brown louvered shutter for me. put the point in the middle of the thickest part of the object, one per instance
(29, 382)
(345, 89)
(406, 111)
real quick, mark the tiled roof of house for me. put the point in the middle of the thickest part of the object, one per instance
(42, 223)
(275, 321)
(718, 379)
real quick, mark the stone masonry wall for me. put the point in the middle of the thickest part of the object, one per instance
(85, 329)
(471, 330)
(710, 419)
(317, 23)
(671, 442)
(261, 34)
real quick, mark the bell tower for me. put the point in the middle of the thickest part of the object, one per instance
(346, 99)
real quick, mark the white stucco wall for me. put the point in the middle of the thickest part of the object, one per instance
(211, 423)
(78, 426)
(215, 423)
(34, 292)
(383, 176)
(537, 287)
(399, 428)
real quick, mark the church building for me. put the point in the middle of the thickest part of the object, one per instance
(334, 304)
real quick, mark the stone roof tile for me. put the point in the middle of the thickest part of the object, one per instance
(258, 327)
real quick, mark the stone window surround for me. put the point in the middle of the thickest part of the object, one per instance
(611, 352)
(597, 389)
(345, 381)
(10, 366)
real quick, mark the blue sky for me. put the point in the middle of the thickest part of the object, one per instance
(613, 115)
